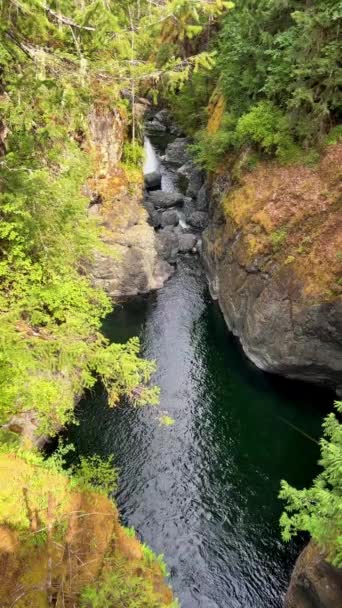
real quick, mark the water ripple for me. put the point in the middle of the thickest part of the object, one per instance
(204, 491)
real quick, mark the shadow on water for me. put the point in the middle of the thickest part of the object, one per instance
(204, 491)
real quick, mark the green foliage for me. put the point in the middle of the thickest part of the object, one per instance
(166, 420)
(42, 478)
(278, 237)
(133, 154)
(265, 126)
(51, 348)
(123, 591)
(150, 559)
(130, 532)
(95, 473)
(318, 509)
(285, 53)
(209, 150)
(335, 135)
(277, 66)
(189, 104)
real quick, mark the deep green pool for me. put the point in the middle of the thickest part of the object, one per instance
(204, 491)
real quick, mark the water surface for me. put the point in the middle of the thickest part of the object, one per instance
(204, 491)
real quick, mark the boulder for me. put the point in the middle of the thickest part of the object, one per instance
(176, 130)
(202, 202)
(187, 243)
(154, 216)
(198, 219)
(177, 152)
(191, 178)
(163, 117)
(163, 200)
(154, 126)
(186, 170)
(153, 180)
(168, 245)
(314, 583)
(169, 218)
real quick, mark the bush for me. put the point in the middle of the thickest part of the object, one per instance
(210, 149)
(266, 126)
(133, 154)
(121, 590)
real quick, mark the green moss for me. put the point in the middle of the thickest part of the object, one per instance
(278, 237)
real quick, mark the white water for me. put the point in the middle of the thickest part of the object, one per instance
(151, 159)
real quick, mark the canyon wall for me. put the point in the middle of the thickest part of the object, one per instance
(273, 253)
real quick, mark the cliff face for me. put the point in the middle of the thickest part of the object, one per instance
(129, 263)
(273, 256)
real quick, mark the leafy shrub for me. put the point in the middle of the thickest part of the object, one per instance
(123, 591)
(209, 150)
(133, 154)
(266, 126)
(318, 509)
(96, 473)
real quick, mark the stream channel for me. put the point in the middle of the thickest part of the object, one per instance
(204, 491)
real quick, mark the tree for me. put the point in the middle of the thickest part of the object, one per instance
(318, 510)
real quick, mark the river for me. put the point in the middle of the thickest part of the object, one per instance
(204, 491)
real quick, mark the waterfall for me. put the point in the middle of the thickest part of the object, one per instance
(151, 163)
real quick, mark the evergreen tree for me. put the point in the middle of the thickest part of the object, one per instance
(318, 510)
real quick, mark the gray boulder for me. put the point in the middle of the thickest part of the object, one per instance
(169, 218)
(191, 178)
(176, 130)
(153, 180)
(202, 202)
(186, 170)
(163, 117)
(187, 242)
(154, 216)
(177, 152)
(154, 126)
(163, 200)
(198, 219)
(168, 245)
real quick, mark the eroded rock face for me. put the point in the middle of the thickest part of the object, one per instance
(133, 264)
(270, 254)
(314, 582)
